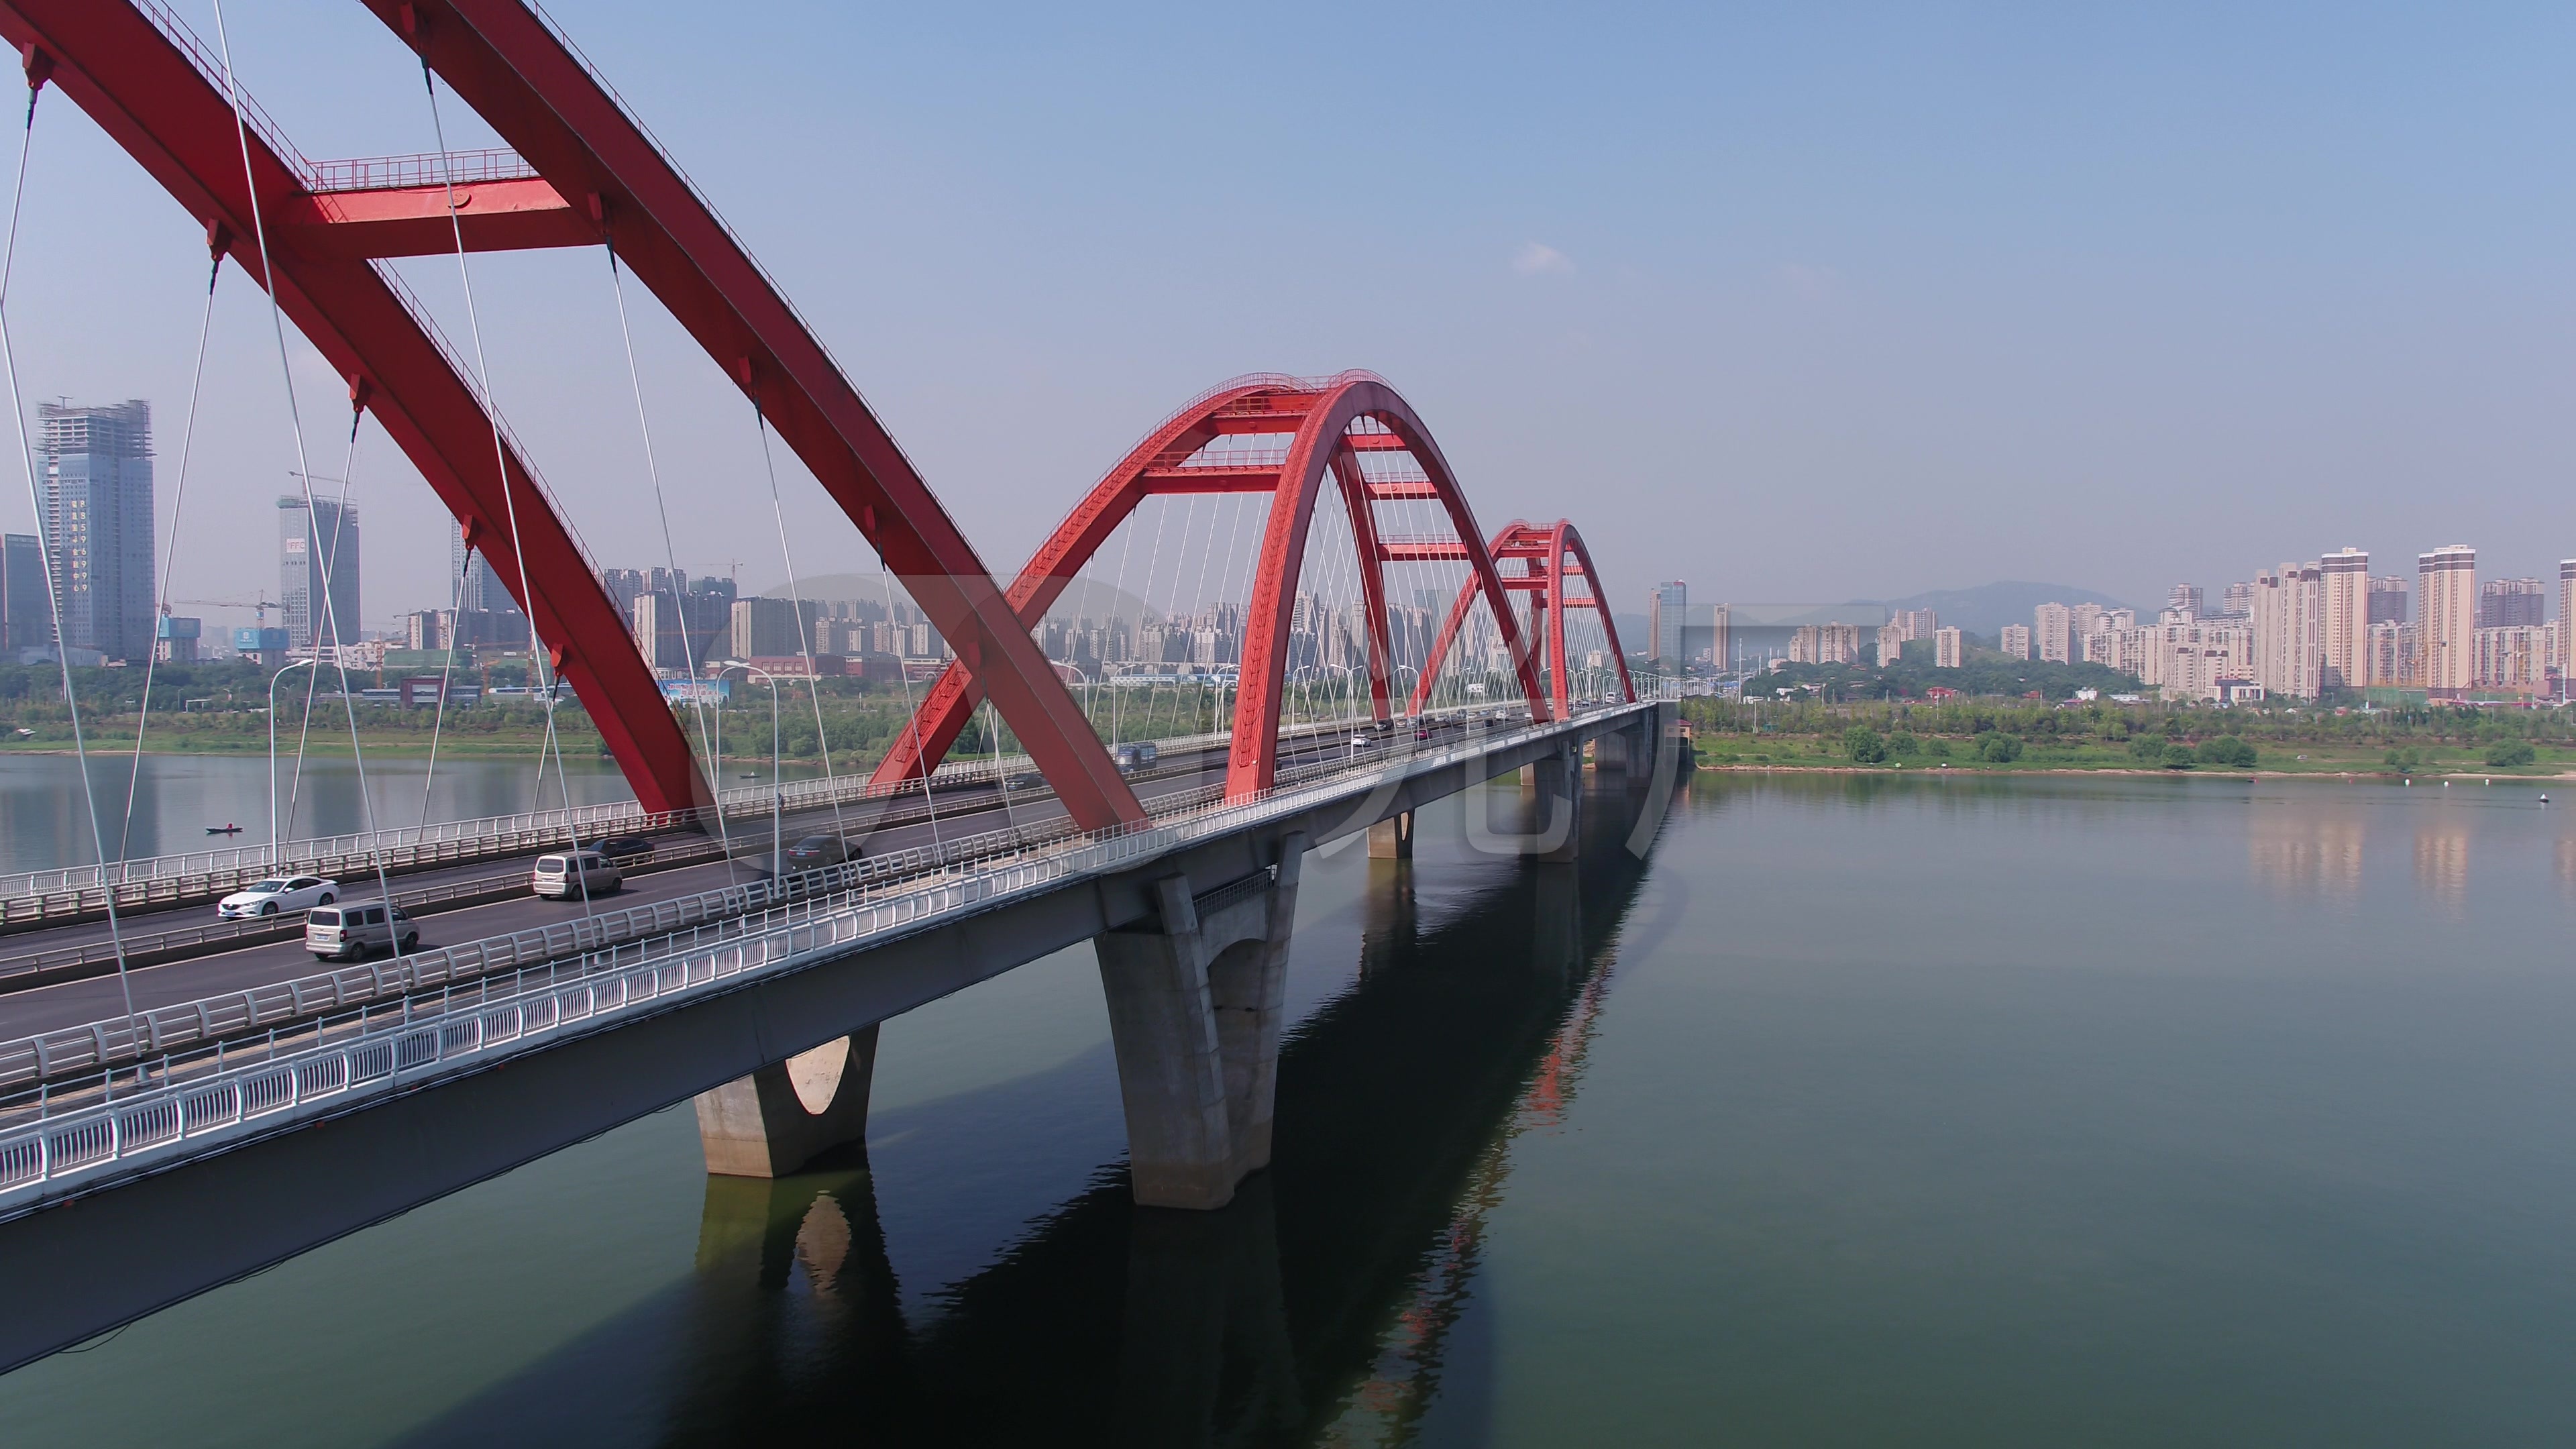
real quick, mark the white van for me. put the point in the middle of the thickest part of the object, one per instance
(349, 932)
(575, 873)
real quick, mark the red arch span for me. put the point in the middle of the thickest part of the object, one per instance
(1542, 553)
(1319, 415)
(591, 174)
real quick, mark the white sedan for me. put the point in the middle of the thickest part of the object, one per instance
(279, 893)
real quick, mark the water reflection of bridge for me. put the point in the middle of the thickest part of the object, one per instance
(1323, 1305)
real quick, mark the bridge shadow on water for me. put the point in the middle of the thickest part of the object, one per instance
(1330, 1299)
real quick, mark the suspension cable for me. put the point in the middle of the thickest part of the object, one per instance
(53, 589)
(446, 669)
(670, 555)
(161, 596)
(804, 640)
(911, 717)
(304, 472)
(539, 661)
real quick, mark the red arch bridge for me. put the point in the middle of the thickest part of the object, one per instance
(1276, 623)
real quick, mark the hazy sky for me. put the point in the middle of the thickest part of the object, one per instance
(1789, 302)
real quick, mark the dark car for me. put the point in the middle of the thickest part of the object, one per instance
(625, 849)
(816, 851)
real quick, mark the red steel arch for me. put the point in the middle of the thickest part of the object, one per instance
(1319, 416)
(584, 173)
(1542, 552)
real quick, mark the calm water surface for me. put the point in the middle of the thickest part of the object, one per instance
(1882, 1111)
(44, 819)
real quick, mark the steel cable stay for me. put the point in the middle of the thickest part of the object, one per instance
(804, 635)
(446, 669)
(53, 586)
(698, 705)
(911, 716)
(304, 473)
(169, 555)
(539, 675)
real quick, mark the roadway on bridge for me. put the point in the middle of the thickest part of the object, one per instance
(963, 811)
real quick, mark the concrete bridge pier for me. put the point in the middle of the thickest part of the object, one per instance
(1392, 838)
(1195, 1000)
(1556, 811)
(785, 1115)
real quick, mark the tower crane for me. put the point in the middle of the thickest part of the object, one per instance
(259, 607)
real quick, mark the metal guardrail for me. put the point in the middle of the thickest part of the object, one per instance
(378, 173)
(227, 1103)
(71, 892)
(258, 930)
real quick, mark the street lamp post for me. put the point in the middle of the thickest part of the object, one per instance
(276, 842)
(777, 797)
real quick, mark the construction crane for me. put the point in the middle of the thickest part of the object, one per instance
(259, 606)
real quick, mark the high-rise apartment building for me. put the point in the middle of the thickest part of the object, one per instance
(2289, 631)
(1664, 610)
(1949, 649)
(2052, 632)
(766, 628)
(317, 564)
(96, 496)
(26, 615)
(2512, 604)
(2515, 657)
(2392, 656)
(2014, 640)
(2567, 618)
(2185, 600)
(2447, 618)
(1825, 644)
(2236, 601)
(2344, 623)
(477, 588)
(2388, 599)
(1917, 623)
(1721, 637)
(1891, 644)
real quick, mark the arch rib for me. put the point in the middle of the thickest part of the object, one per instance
(501, 58)
(1319, 416)
(155, 101)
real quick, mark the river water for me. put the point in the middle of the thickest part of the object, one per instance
(2035, 1111)
(44, 813)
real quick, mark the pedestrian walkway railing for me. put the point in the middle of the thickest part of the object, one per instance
(464, 1026)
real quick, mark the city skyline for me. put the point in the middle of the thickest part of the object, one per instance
(1938, 333)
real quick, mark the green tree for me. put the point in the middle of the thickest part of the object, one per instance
(2148, 748)
(2180, 756)
(2507, 753)
(1903, 743)
(1864, 744)
(1998, 748)
(2226, 750)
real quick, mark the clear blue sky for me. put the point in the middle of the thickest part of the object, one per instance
(1790, 302)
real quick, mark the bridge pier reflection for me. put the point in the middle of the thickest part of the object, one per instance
(1330, 1291)
(1204, 1351)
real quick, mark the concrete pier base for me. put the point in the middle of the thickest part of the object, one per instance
(1195, 1001)
(785, 1115)
(1392, 838)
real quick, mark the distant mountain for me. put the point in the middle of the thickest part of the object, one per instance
(1988, 607)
